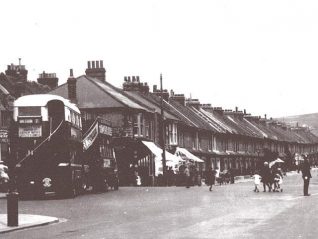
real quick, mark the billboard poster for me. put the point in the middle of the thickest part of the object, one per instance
(30, 131)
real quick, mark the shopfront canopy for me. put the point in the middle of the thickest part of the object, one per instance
(185, 154)
(172, 161)
(158, 153)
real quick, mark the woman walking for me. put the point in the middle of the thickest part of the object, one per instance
(210, 178)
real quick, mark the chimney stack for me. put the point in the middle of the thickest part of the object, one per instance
(71, 86)
(180, 98)
(96, 70)
(48, 79)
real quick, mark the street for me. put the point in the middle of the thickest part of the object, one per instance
(229, 211)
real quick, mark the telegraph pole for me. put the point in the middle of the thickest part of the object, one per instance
(163, 134)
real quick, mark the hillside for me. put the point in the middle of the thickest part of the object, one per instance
(310, 120)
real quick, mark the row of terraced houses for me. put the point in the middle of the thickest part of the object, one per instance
(227, 139)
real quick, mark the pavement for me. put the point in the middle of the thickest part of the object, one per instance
(26, 221)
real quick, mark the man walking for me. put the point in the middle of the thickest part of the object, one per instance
(187, 175)
(306, 175)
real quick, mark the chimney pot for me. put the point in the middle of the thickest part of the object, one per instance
(137, 78)
(236, 108)
(88, 64)
(93, 64)
(97, 64)
(71, 72)
(101, 64)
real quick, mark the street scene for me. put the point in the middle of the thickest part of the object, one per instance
(229, 211)
(158, 119)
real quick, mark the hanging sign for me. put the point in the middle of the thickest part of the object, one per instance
(90, 137)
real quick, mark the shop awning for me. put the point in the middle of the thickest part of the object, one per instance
(158, 152)
(186, 154)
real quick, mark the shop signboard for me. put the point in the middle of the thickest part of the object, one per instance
(90, 137)
(30, 131)
(105, 129)
(4, 136)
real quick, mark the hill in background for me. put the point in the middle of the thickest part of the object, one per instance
(310, 120)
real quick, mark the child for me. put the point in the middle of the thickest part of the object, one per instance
(278, 181)
(257, 181)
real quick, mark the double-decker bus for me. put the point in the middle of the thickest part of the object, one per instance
(47, 145)
(99, 156)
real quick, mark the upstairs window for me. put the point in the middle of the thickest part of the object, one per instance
(173, 139)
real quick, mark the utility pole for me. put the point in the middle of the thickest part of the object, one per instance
(163, 134)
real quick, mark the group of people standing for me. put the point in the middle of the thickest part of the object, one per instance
(272, 178)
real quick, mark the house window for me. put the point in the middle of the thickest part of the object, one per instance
(173, 134)
(199, 141)
(181, 139)
(194, 140)
(141, 124)
(210, 145)
(5, 119)
(136, 125)
(147, 129)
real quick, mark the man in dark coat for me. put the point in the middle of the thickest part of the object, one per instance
(306, 175)
(266, 176)
(210, 178)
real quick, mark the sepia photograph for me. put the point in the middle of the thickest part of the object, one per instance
(168, 119)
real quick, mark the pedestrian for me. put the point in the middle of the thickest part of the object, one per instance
(217, 175)
(138, 179)
(266, 177)
(257, 181)
(306, 175)
(210, 178)
(187, 176)
(278, 180)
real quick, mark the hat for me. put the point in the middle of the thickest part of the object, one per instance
(265, 163)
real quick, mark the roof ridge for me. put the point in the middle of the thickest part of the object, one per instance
(92, 81)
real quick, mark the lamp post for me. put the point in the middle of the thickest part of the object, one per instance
(12, 196)
(162, 134)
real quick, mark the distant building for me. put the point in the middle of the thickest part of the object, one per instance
(13, 84)
(48, 79)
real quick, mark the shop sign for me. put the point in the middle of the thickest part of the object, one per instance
(4, 136)
(90, 137)
(105, 129)
(30, 131)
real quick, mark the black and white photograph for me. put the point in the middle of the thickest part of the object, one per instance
(168, 119)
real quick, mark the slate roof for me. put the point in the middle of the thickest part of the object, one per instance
(147, 100)
(93, 93)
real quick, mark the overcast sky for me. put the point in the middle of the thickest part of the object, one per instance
(261, 56)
